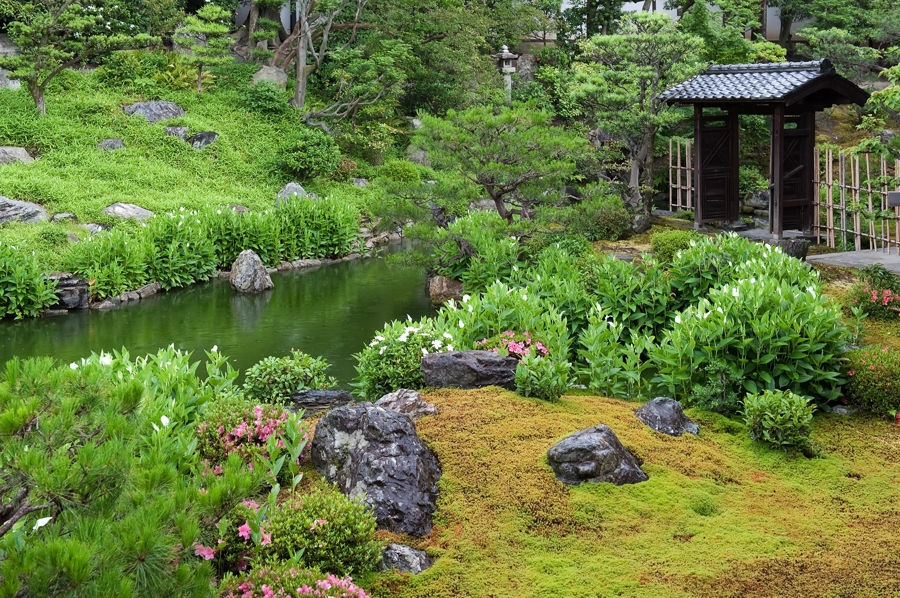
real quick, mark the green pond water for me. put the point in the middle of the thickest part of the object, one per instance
(332, 311)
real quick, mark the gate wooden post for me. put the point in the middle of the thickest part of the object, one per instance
(775, 202)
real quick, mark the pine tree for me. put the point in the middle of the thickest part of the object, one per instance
(210, 39)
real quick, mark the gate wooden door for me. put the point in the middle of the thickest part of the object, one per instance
(716, 139)
(797, 166)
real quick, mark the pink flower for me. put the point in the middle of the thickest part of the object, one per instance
(266, 539)
(217, 470)
(250, 504)
(317, 523)
(244, 531)
(205, 551)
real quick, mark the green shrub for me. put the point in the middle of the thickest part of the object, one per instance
(333, 532)
(393, 360)
(602, 218)
(613, 361)
(545, 378)
(874, 379)
(877, 293)
(401, 171)
(24, 289)
(316, 229)
(780, 338)
(750, 179)
(310, 153)
(274, 379)
(265, 98)
(284, 580)
(180, 252)
(779, 417)
(722, 390)
(113, 261)
(666, 244)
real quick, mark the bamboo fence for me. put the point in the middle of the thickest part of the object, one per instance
(681, 175)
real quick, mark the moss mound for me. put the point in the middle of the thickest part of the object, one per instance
(720, 516)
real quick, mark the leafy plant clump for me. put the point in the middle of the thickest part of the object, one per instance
(274, 379)
(779, 417)
(310, 153)
(599, 218)
(401, 171)
(722, 391)
(877, 293)
(393, 359)
(544, 378)
(24, 289)
(265, 582)
(326, 530)
(667, 243)
(874, 379)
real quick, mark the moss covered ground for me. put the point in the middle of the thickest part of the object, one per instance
(720, 516)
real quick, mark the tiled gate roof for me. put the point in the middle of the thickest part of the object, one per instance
(748, 82)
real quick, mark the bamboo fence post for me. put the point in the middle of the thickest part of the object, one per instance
(817, 203)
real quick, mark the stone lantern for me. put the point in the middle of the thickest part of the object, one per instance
(506, 61)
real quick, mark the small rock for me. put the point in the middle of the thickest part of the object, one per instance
(11, 155)
(271, 74)
(127, 210)
(313, 402)
(796, 248)
(93, 228)
(594, 455)
(407, 401)
(666, 415)
(640, 223)
(249, 275)
(416, 124)
(289, 191)
(62, 217)
(106, 305)
(73, 292)
(155, 111)
(224, 274)
(844, 410)
(469, 369)
(131, 296)
(417, 156)
(238, 208)
(282, 266)
(180, 132)
(54, 312)
(6, 82)
(375, 453)
(73, 238)
(761, 213)
(361, 183)
(405, 559)
(200, 140)
(306, 263)
(21, 211)
(148, 290)
(350, 257)
(442, 289)
(111, 145)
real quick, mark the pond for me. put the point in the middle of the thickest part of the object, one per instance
(332, 311)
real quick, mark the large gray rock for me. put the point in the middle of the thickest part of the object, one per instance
(407, 401)
(74, 292)
(111, 145)
(290, 190)
(127, 210)
(374, 452)
(469, 369)
(249, 275)
(797, 248)
(666, 415)
(11, 155)
(200, 140)
(758, 200)
(155, 111)
(640, 223)
(21, 211)
(442, 289)
(594, 455)
(313, 402)
(271, 74)
(7, 83)
(405, 559)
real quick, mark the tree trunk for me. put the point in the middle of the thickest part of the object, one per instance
(199, 78)
(590, 18)
(303, 72)
(252, 20)
(784, 34)
(37, 94)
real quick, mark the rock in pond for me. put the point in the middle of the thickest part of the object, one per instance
(405, 559)
(407, 401)
(73, 291)
(11, 155)
(155, 111)
(200, 140)
(271, 74)
(249, 275)
(594, 455)
(21, 211)
(666, 415)
(442, 289)
(111, 145)
(469, 369)
(289, 191)
(374, 452)
(313, 402)
(127, 210)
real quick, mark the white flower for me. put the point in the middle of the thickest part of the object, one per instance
(381, 351)
(218, 211)
(448, 335)
(402, 338)
(215, 348)
(105, 359)
(515, 268)
(41, 522)
(524, 297)
(155, 427)
(165, 421)
(449, 347)
(466, 298)
(471, 309)
(462, 324)
(735, 292)
(73, 366)
(678, 319)
(424, 351)
(437, 344)
(379, 338)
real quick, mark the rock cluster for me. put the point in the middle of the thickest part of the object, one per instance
(374, 452)
(594, 455)
(469, 369)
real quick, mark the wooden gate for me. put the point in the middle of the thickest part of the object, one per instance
(717, 149)
(799, 169)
